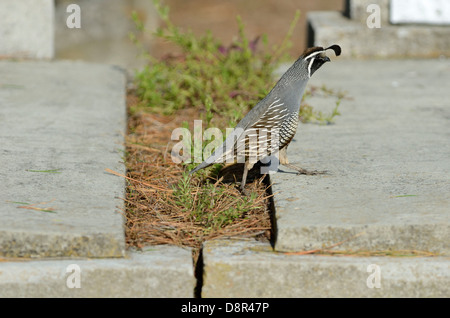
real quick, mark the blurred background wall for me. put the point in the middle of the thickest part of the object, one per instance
(105, 25)
(364, 28)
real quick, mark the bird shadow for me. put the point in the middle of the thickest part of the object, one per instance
(233, 173)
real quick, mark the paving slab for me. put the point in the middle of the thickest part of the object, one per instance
(252, 269)
(159, 271)
(387, 159)
(61, 125)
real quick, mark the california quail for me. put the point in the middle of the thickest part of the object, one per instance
(270, 125)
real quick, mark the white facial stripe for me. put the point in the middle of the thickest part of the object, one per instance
(313, 54)
(312, 57)
(309, 66)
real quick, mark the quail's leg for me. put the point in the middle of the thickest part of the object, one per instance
(248, 166)
(244, 177)
(285, 162)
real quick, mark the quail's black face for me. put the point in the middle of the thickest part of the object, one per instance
(315, 57)
(316, 62)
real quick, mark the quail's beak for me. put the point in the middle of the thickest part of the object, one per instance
(325, 58)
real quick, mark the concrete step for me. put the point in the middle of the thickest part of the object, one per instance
(27, 29)
(61, 125)
(253, 269)
(357, 10)
(387, 160)
(159, 271)
(389, 41)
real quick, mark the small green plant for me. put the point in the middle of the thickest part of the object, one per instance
(222, 82)
(309, 115)
(209, 114)
(211, 205)
(205, 75)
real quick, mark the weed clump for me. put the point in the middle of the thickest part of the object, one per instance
(232, 78)
(219, 84)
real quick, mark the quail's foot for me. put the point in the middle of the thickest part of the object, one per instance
(301, 171)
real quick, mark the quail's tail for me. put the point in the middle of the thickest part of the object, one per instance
(218, 153)
(204, 164)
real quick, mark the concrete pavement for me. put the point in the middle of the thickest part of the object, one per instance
(158, 271)
(387, 160)
(61, 125)
(387, 189)
(253, 269)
